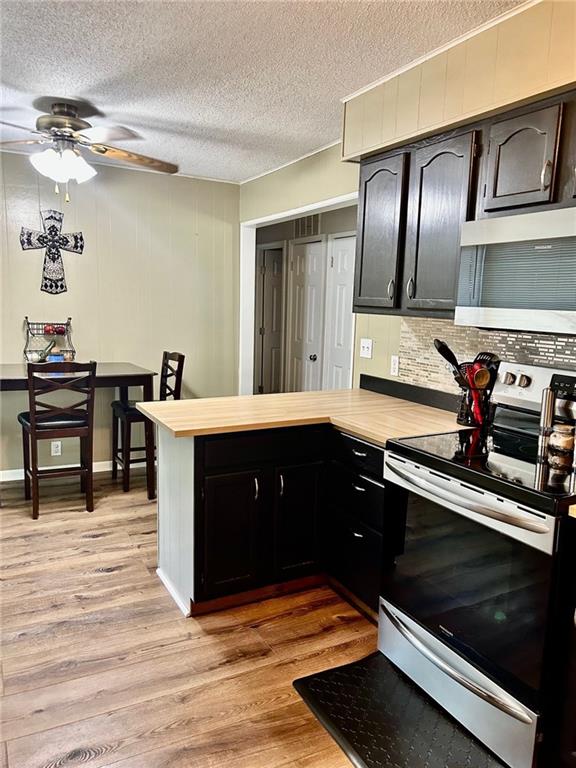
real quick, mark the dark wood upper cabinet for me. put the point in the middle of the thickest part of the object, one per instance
(522, 159)
(441, 185)
(380, 231)
(296, 520)
(232, 553)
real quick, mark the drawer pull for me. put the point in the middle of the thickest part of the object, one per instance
(358, 488)
(281, 484)
(360, 454)
(357, 535)
(256, 489)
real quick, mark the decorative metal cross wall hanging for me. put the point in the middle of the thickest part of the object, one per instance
(53, 278)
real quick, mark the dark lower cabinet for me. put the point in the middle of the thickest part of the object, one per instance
(440, 197)
(355, 558)
(266, 516)
(522, 159)
(354, 526)
(258, 496)
(296, 520)
(232, 533)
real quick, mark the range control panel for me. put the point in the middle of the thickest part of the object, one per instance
(520, 386)
(564, 386)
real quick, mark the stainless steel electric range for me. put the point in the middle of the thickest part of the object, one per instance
(477, 602)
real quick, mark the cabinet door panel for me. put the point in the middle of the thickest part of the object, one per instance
(380, 231)
(296, 520)
(232, 532)
(440, 196)
(521, 163)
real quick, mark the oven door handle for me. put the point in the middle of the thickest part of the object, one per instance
(503, 704)
(446, 495)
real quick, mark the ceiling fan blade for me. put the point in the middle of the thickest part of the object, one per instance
(24, 141)
(20, 127)
(114, 153)
(101, 133)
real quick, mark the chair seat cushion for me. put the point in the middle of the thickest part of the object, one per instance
(62, 421)
(127, 410)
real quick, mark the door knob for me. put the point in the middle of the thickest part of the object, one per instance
(313, 358)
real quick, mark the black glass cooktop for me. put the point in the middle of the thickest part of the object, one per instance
(500, 458)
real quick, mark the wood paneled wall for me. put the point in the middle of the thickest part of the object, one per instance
(159, 271)
(526, 55)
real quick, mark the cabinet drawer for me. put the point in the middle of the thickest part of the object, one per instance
(366, 501)
(283, 446)
(356, 559)
(367, 459)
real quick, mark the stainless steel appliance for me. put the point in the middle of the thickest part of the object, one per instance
(519, 272)
(470, 609)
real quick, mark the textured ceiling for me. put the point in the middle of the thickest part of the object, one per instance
(227, 90)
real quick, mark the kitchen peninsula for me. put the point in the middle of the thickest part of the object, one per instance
(244, 484)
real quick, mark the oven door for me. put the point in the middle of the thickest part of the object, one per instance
(468, 597)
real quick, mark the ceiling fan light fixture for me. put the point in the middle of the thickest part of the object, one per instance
(62, 166)
(47, 163)
(83, 171)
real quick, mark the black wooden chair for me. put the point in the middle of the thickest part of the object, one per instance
(125, 413)
(53, 421)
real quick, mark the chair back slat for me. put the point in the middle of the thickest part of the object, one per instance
(171, 375)
(74, 379)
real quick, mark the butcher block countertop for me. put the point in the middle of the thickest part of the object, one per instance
(359, 412)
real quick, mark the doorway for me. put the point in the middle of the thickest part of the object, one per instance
(304, 324)
(269, 319)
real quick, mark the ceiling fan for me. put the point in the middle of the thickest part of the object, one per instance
(67, 134)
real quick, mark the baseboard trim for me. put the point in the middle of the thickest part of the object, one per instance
(10, 475)
(255, 595)
(182, 604)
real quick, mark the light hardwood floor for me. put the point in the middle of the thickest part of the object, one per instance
(99, 668)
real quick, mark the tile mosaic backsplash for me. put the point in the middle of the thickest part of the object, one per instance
(421, 364)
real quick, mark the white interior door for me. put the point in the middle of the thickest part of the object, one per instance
(339, 323)
(306, 286)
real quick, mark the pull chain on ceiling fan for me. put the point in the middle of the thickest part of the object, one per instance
(67, 134)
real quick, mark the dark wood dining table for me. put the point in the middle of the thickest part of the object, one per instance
(14, 378)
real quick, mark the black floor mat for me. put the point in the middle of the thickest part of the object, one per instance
(382, 720)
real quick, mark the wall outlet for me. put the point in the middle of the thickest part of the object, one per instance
(56, 448)
(366, 348)
(394, 365)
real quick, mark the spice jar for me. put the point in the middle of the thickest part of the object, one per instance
(562, 438)
(561, 447)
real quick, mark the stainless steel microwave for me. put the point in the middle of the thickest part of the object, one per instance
(519, 272)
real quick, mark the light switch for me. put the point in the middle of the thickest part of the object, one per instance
(366, 348)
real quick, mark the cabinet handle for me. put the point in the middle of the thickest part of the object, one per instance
(357, 535)
(410, 288)
(390, 289)
(358, 488)
(281, 484)
(543, 184)
(360, 454)
(256, 489)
